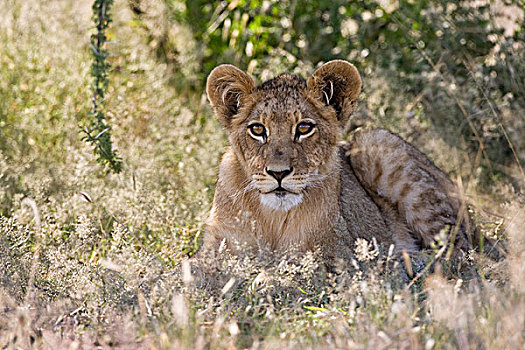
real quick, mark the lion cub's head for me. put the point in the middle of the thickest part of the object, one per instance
(284, 132)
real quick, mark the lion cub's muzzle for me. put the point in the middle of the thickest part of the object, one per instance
(279, 181)
(280, 191)
(280, 188)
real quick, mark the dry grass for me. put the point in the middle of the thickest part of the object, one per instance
(90, 260)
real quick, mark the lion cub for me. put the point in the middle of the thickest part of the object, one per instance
(287, 179)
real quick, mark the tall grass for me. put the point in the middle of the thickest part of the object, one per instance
(90, 259)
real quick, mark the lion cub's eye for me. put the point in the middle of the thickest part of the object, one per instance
(257, 130)
(304, 129)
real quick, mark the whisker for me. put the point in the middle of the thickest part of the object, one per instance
(245, 187)
(306, 194)
(250, 186)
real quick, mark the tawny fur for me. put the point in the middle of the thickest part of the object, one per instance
(332, 192)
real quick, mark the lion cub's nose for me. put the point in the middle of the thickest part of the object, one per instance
(279, 175)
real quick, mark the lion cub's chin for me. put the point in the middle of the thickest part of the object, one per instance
(281, 201)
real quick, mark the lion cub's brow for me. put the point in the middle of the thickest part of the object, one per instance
(269, 115)
(284, 85)
(281, 99)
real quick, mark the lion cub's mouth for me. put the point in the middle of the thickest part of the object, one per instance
(280, 192)
(280, 195)
(281, 199)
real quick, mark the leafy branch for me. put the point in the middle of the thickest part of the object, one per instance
(99, 131)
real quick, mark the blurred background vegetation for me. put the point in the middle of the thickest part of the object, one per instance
(81, 248)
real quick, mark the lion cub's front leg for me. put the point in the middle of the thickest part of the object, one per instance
(402, 179)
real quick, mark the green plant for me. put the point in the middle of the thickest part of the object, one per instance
(99, 131)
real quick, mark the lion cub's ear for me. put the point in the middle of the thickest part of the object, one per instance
(337, 84)
(226, 88)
